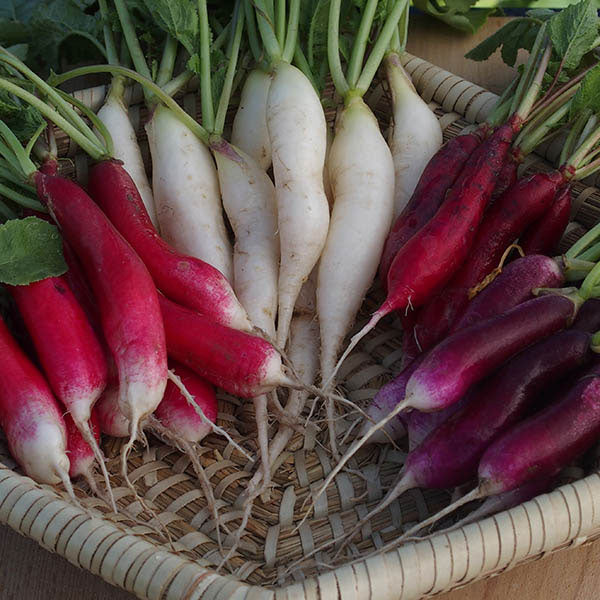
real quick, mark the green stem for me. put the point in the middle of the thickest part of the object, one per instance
(109, 39)
(11, 160)
(173, 86)
(208, 110)
(591, 254)
(238, 20)
(535, 136)
(576, 269)
(586, 290)
(572, 137)
(292, 32)
(34, 138)
(167, 61)
(25, 201)
(588, 144)
(62, 106)
(584, 242)
(527, 74)
(587, 170)
(502, 107)
(133, 44)
(7, 212)
(222, 37)
(403, 28)
(595, 343)
(186, 119)
(95, 120)
(14, 145)
(534, 88)
(280, 7)
(87, 145)
(251, 32)
(333, 49)
(7, 174)
(360, 43)
(380, 47)
(267, 31)
(302, 64)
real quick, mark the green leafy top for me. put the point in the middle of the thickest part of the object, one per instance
(30, 250)
(588, 94)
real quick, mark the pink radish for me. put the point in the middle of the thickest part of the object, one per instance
(30, 417)
(187, 280)
(126, 296)
(81, 455)
(70, 354)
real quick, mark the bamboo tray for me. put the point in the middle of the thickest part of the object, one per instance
(125, 549)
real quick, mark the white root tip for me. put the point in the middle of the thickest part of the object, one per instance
(88, 436)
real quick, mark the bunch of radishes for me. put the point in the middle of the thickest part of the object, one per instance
(155, 291)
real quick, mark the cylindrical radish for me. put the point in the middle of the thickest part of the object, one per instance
(186, 192)
(68, 350)
(249, 201)
(588, 316)
(416, 133)
(469, 355)
(30, 416)
(249, 132)
(543, 236)
(127, 297)
(115, 116)
(507, 176)
(362, 178)
(450, 454)
(439, 175)
(110, 418)
(175, 413)
(241, 364)
(519, 206)
(512, 287)
(187, 280)
(298, 135)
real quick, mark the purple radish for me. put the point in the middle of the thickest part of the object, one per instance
(588, 316)
(467, 356)
(512, 287)
(449, 455)
(384, 402)
(538, 447)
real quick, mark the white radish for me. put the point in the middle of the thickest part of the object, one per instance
(298, 134)
(186, 192)
(362, 179)
(249, 201)
(249, 132)
(415, 135)
(115, 116)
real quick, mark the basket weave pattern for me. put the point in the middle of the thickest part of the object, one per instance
(127, 549)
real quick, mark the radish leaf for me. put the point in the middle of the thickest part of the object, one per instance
(573, 32)
(30, 250)
(179, 19)
(588, 95)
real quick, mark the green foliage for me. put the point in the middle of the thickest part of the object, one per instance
(588, 94)
(30, 250)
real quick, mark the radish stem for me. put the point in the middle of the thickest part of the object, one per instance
(360, 43)
(292, 31)
(280, 21)
(333, 49)
(208, 114)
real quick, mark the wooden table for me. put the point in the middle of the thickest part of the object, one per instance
(28, 571)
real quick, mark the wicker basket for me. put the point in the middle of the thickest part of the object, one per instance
(127, 550)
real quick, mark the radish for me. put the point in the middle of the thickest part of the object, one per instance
(361, 172)
(298, 137)
(437, 177)
(241, 364)
(70, 354)
(588, 316)
(110, 418)
(30, 417)
(513, 286)
(249, 132)
(126, 296)
(543, 236)
(538, 447)
(115, 117)
(468, 355)
(519, 206)
(185, 279)
(413, 278)
(416, 133)
(449, 455)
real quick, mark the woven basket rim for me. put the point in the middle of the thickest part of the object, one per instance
(568, 516)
